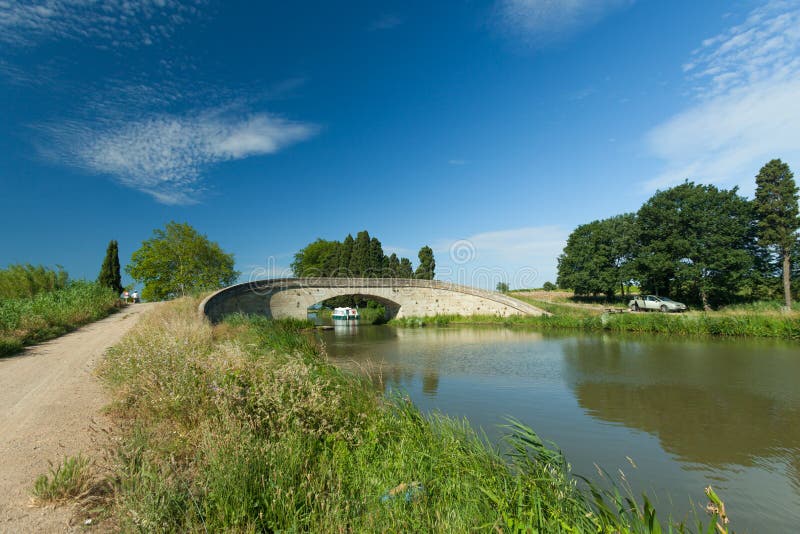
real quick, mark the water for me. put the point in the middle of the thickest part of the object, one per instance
(687, 413)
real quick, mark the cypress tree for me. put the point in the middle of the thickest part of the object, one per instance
(427, 265)
(359, 261)
(345, 253)
(777, 212)
(393, 266)
(376, 258)
(110, 272)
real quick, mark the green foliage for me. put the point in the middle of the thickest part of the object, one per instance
(51, 314)
(68, 480)
(502, 287)
(427, 264)
(316, 259)
(109, 272)
(599, 256)
(777, 215)
(24, 281)
(549, 286)
(694, 243)
(361, 257)
(241, 429)
(776, 205)
(178, 261)
(405, 270)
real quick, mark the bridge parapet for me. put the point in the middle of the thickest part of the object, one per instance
(291, 297)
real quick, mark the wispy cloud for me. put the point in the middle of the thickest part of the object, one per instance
(386, 22)
(542, 21)
(165, 155)
(111, 23)
(746, 82)
(522, 257)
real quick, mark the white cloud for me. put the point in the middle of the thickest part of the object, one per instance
(746, 85)
(522, 257)
(165, 155)
(540, 21)
(111, 23)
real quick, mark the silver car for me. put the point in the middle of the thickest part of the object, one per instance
(654, 303)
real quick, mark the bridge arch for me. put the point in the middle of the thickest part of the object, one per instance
(291, 297)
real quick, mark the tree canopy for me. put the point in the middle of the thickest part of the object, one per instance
(177, 261)
(359, 257)
(598, 257)
(693, 242)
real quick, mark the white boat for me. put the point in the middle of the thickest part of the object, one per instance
(345, 314)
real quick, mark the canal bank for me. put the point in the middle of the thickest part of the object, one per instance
(674, 415)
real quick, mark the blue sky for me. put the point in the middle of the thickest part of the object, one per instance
(488, 130)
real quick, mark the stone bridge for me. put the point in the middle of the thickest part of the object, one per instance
(291, 297)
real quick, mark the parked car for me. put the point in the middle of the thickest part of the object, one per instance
(653, 303)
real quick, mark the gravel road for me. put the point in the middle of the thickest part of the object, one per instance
(51, 406)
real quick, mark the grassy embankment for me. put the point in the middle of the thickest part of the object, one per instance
(245, 427)
(751, 320)
(49, 314)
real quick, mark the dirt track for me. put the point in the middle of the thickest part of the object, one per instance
(50, 407)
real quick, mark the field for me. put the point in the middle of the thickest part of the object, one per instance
(245, 427)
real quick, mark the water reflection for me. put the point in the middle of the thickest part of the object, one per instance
(689, 412)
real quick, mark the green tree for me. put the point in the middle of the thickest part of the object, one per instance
(109, 272)
(502, 287)
(314, 260)
(549, 286)
(427, 264)
(598, 257)
(177, 261)
(376, 258)
(360, 259)
(405, 270)
(694, 243)
(776, 211)
(345, 254)
(392, 266)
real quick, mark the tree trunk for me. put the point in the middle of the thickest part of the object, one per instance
(787, 280)
(704, 298)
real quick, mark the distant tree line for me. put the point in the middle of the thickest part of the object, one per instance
(362, 257)
(693, 242)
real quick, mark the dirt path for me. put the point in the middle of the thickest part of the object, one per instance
(50, 407)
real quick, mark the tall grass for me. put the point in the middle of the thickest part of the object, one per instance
(50, 314)
(245, 427)
(22, 281)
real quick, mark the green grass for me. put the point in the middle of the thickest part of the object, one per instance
(756, 320)
(63, 482)
(245, 427)
(50, 314)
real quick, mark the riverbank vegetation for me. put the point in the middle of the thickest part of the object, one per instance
(44, 304)
(764, 319)
(245, 427)
(696, 243)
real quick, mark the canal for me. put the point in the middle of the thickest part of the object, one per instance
(670, 415)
